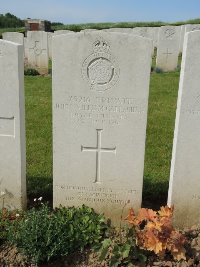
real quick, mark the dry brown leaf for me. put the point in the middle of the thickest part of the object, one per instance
(166, 211)
(131, 218)
(146, 214)
(152, 243)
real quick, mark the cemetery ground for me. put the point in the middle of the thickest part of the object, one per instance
(160, 127)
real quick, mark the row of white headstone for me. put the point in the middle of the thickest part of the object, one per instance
(167, 39)
(100, 100)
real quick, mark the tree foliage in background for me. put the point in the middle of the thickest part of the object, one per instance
(10, 21)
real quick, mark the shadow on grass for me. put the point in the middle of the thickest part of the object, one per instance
(39, 187)
(154, 193)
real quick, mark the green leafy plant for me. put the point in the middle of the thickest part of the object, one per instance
(120, 249)
(31, 72)
(6, 219)
(42, 234)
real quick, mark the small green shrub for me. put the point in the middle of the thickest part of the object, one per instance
(6, 219)
(120, 249)
(31, 72)
(43, 234)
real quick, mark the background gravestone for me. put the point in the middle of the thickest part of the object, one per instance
(15, 37)
(25, 48)
(192, 27)
(168, 48)
(147, 32)
(184, 188)
(37, 42)
(50, 35)
(58, 32)
(182, 38)
(100, 99)
(12, 127)
(89, 30)
(120, 30)
(155, 36)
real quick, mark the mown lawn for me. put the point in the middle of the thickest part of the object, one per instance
(160, 129)
(161, 119)
(39, 136)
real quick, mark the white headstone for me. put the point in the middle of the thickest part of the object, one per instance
(25, 48)
(62, 32)
(155, 36)
(168, 47)
(50, 35)
(182, 38)
(89, 30)
(184, 188)
(148, 32)
(192, 27)
(12, 127)
(15, 37)
(100, 99)
(38, 50)
(120, 30)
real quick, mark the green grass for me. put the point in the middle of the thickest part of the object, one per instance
(160, 127)
(39, 135)
(105, 25)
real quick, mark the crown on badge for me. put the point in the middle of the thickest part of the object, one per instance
(101, 46)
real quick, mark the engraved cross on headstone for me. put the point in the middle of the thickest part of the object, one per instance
(37, 50)
(167, 54)
(98, 149)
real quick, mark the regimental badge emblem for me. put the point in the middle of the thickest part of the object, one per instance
(100, 69)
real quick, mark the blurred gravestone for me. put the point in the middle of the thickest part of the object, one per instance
(50, 35)
(37, 43)
(15, 37)
(12, 127)
(192, 27)
(168, 47)
(182, 38)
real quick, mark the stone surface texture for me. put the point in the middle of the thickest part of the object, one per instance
(192, 27)
(182, 38)
(25, 48)
(148, 32)
(58, 32)
(50, 35)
